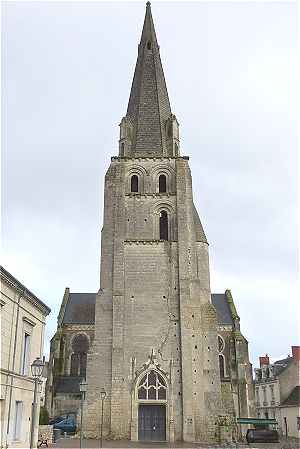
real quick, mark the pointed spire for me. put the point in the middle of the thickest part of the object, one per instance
(149, 108)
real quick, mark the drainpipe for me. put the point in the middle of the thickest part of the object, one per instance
(13, 365)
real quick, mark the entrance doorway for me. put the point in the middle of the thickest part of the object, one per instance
(152, 422)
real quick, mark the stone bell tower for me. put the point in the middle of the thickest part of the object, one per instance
(155, 348)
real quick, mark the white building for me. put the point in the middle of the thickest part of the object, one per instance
(22, 336)
(276, 390)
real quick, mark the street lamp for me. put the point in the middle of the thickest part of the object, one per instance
(83, 388)
(102, 396)
(36, 371)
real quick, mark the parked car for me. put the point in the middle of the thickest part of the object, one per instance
(67, 425)
(56, 419)
(59, 418)
(262, 436)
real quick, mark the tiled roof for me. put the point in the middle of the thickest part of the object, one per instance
(11, 280)
(80, 309)
(148, 106)
(220, 302)
(293, 398)
(281, 365)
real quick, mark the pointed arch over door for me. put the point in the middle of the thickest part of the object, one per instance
(151, 395)
(152, 386)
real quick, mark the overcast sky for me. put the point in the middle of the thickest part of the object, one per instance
(230, 68)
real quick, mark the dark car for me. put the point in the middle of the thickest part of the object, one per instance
(56, 419)
(67, 425)
(262, 436)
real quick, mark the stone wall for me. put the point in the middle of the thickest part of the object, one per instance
(46, 433)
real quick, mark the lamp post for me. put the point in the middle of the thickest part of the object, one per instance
(83, 388)
(36, 371)
(102, 396)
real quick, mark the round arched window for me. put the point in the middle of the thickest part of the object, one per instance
(152, 387)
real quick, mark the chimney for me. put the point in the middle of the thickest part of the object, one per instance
(264, 360)
(296, 352)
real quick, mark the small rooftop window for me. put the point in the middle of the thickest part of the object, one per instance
(149, 45)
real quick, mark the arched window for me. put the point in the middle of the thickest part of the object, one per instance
(122, 148)
(163, 226)
(152, 387)
(221, 366)
(134, 184)
(221, 343)
(162, 184)
(80, 346)
(221, 347)
(149, 45)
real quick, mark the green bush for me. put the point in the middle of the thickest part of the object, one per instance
(44, 416)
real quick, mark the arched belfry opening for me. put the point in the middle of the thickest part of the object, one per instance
(134, 187)
(162, 184)
(163, 225)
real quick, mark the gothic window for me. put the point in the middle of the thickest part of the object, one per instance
(80, 346)
(74, 364)
(221, 365)
(163, 225)
(162, 184)
(149, 45)
(221, 344)
(152, 387)
(122, 148)
(221, 347)
(134, 184)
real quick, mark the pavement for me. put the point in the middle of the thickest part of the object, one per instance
(73, 443)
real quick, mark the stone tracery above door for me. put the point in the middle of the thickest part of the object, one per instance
(152, 387)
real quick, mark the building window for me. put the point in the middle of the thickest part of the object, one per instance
(18, 420)
(152, 387)
(163, 225)
(265, 394)
(25, 354)
(221, 365)
(80, 346)
(74, 365)
(122, 149)
(149, 45)
(298, 422)
(221, 344)
(134, 184)
(221, 347)
(257, 396)
(162, 184)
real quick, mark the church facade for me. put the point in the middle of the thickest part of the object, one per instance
(169, 354)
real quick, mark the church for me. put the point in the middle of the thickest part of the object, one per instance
(169, 354)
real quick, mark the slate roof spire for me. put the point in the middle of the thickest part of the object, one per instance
(149, 108)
